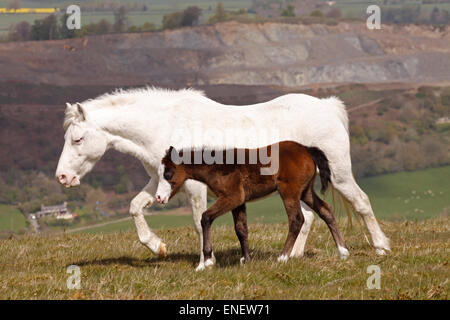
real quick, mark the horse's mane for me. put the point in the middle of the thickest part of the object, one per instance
(123, 97)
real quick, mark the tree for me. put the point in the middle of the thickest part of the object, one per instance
(288, 12)
(172, 20)
(20, 32)
(190, 16)
(120, 19)
(434, 16)
(220, 14)
(45, 29)
(185, 18)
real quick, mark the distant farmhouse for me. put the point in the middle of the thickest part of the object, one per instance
(58, 211)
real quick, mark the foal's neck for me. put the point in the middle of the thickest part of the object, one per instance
(199, 172)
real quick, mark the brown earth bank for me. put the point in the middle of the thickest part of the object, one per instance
(236, 53)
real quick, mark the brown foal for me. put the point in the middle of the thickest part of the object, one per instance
(235, 184)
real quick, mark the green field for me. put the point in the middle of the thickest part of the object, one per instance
(414, 195)
(155, 13)
(117, 266)
(11, 219)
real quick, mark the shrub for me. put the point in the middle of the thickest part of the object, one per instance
(316, 13)
(186, 18)
(220, 15)
(288, 12)
(20, 32)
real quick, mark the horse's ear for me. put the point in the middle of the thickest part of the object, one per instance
(81, 112)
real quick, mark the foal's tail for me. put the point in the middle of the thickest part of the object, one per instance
(321, 162)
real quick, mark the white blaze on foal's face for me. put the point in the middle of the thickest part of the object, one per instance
(164, 189)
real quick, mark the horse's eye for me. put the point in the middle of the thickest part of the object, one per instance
(78, 140)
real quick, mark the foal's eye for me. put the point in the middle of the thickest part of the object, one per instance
(168, 174)
(78, 140)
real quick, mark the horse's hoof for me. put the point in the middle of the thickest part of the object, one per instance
(380, 252)
(209, 263)
(343, 253)
(283, 258)
(162, 250)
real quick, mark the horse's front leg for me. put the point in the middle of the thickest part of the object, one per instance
(196, 193)
(145, 198)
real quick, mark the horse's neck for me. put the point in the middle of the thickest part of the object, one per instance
(125, 138)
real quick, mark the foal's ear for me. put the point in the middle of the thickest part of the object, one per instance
(170, 150)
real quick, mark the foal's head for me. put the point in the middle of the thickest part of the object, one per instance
(171, 177)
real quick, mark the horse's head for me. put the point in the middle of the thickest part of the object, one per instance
(84, 145)
(171, 176)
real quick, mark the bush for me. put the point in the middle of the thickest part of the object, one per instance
(45, 29)
(220, 15)
(120, 20)
(20, 32)
(146, 27)
(316, 13)
(188, 17)
(288, 12)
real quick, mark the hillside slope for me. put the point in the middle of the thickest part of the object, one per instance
(236, 53)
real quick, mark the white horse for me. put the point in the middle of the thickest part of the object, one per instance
(144, 122)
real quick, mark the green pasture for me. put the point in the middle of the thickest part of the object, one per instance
(414, 195)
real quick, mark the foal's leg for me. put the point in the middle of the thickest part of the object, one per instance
(295, 217)
(221, 206)
(324, 211)
(240, 226)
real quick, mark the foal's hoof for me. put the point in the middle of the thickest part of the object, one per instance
(244, 260)
(283, 258)
(162, 250)
(200, 267)
(380, 252)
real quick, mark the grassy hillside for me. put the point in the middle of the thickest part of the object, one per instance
(116, 266)
(11, 219)
(406, 195)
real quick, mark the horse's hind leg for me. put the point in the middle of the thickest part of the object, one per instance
(348, 187)
(325, 213)
(240, 226)
(299, 246)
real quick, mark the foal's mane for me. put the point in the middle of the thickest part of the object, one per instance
(124, 97)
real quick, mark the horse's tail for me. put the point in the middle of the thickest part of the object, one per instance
(321, 161)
